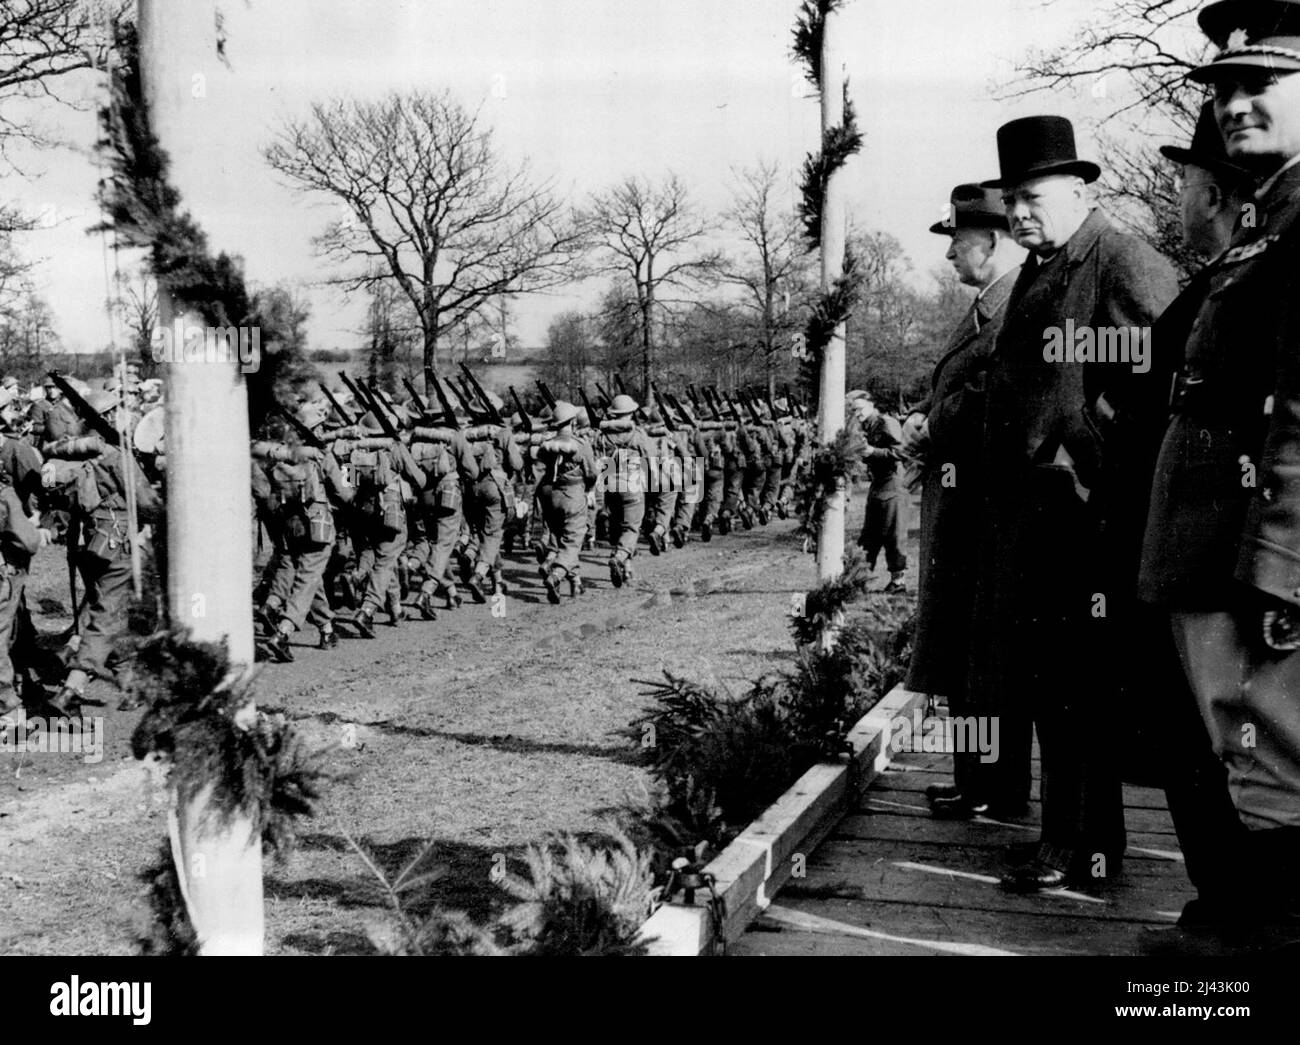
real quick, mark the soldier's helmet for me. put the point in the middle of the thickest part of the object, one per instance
(563, 414)
(370, 423)
(312, 414)
(622, 406)
(101, 402)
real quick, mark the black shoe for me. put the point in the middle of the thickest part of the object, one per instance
(425, 602)
(958, 807)
(747, 520)
(475, 586)
(552, 587)
(616, 574)
(895, 588)
(1034, 877)
(540, 551)
(679, 537)
(941, 791)
(724, 525)
(706, 532)
(328, 640)
(764, 517)
(656, 543)
(364, 622)
(782, 512)
(268, 617)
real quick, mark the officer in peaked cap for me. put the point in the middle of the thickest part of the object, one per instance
(1220, 549)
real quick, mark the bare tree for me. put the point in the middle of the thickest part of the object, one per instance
(135, 304)
(1132, 57)
(429, 204)
(650, 235)
(774, 272)
(42, 40)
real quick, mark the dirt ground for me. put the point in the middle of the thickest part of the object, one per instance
(476, 733)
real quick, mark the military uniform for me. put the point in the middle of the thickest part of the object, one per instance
(448, 466)
(628, 453)
(568, 472)
(491, 503)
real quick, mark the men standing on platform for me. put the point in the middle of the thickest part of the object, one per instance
(1046, 599)
(1222, 545)
(942, 435)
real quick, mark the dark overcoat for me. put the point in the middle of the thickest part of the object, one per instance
(954, 411)
(1225, 504)
(1047, 591)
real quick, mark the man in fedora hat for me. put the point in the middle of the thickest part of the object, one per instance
(1221, 552)
(942, 435)
(1066, 368)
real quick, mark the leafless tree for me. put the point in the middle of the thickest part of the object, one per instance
(43, 40)
(1132, 57)
(773, 274)
(428, 203)
(135, 304)
(650, 235)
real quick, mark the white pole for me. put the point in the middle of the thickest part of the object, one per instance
(830, 542)
(209, 552)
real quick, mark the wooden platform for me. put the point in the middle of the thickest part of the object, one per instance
(893, 880)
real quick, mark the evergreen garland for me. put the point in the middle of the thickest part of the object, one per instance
(143, 209)
(838, 144)
(832, 466)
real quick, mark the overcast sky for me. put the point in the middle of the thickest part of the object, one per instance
(593, 91)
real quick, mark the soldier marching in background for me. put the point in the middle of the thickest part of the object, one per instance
(569, 474)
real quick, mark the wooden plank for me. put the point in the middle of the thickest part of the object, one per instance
(897, 872)
(895, 803)
(754, 866)
(1028, 933)
(902, 780)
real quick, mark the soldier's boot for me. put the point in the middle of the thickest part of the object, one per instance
(393, 604)
(551, 579)
(498, 581)
(268, 614)
(897, 585)
(575, 585)
(706, 531)
(782, 510)
(329, 639)
(655, 539)
(450, 593)
(724, 523)
(746, 517)
(764, 517)
(615, 571)
(347, 589)
(277, 647)
(425, 602)
(465, 566)
(71, 695)
(541, 551)
(476, 582)
(679, 537)
(364, 622)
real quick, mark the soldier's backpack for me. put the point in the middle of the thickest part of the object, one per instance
(624, 460)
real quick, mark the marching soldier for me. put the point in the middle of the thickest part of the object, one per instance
(96, 475)
(308, 482)
(665, 482)
(449, 467)
(629, 454)
(377, 467)
(491, 505)
(569, 475)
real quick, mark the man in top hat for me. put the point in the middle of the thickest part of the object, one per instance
(1068, 364)
(1222, 546)
(942, 434)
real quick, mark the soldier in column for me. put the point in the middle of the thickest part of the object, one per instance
(569, 475)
